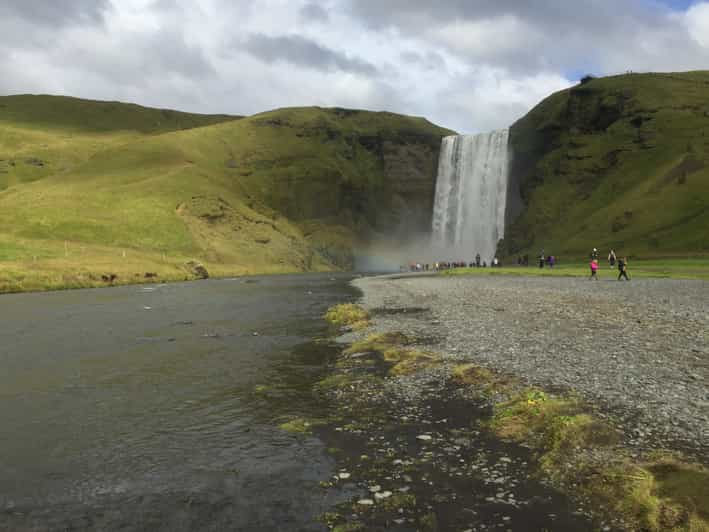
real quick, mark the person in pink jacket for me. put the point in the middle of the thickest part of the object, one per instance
(594, 269)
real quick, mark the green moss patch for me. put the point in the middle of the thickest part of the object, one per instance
(394, 350)
(348, 315)
(660, 495)
(301, 425)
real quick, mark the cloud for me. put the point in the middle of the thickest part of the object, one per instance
(303, 52)
(697, 21)
(468, 65)
(52, 12)
(312, 12)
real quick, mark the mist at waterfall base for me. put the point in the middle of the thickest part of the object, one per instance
(469, 208)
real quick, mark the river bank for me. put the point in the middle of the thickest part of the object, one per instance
(603, 384)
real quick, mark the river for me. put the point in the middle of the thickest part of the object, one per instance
(140, 407)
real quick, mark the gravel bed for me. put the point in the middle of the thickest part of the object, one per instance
(638, 350)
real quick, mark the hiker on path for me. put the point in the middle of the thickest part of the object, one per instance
(541, 259)
(594, 269)
(611, 259)
(594, 254)
(623, 269)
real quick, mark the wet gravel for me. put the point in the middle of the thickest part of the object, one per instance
(637, 350)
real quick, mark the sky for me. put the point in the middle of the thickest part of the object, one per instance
(470, 65)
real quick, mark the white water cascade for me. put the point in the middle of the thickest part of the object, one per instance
(471, 195)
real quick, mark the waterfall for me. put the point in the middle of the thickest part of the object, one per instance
(471, 193)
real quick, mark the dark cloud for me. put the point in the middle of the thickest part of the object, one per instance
(55, 12)
(550, 13)
(545, 35)
(312, 12)
(303, 52)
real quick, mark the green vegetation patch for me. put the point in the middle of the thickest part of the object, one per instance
(379, 342)
(348, 315)
(301, 425)
(663, 494)
(659, 494)
(394, 350)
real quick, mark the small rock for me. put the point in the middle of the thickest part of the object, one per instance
(382, 495)
(365, 502)
(423, 437)
(344, 476)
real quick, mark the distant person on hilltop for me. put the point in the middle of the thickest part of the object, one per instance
(623, 269)
(611, 259)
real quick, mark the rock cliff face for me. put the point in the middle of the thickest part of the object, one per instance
(616, 162)
(339, 172)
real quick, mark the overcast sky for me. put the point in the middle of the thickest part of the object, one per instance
(471, 65)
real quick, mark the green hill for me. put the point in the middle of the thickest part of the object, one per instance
(618, 162)
(89, 189)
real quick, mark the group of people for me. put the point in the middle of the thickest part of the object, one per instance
(612, 261)
(446, 265)
(548, 260)
(544, 260)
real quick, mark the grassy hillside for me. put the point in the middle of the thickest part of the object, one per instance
(96, 188)
(618, 162)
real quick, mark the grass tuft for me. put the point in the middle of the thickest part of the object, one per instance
(348, 315)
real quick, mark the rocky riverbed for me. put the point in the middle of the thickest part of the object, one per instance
(639, 351)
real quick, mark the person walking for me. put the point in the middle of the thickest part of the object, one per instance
(594, 254)
(594, 269)
(623, 269)
(541, 259)
(611, 259)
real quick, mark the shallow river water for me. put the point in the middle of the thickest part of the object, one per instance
(158, 407)
(138, 407)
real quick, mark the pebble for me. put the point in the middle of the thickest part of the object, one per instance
(365, 502)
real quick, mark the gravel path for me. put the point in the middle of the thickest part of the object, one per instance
(639, 349)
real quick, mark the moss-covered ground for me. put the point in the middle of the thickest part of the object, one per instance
(583, 453)
(571, 446)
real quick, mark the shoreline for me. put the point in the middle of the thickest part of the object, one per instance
(601, 453)
(51, 280)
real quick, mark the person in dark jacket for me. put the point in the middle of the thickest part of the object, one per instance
(623, 269)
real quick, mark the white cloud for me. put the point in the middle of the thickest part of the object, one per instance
(697, 20)
(468, 66)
